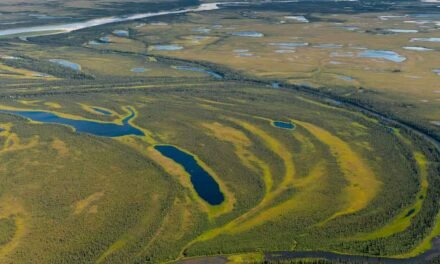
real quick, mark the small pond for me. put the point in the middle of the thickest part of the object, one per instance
(300, 19)
(201, 30)
(382, 54)
(121, 33)
(67, 64)
(349, 28)
(341, 54)
(425, 40)
(252, 34)
(345, 78)
(283, 125)
(415, 48)
(104, 40)
(240, 50)
(96, 43)
(289, 44)
(159, 24)
(283, 51)
(166, 47)
(328, 46)
(246, 55)
(395, 30)
(275, 85)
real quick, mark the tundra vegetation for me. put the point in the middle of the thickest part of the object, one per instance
(308, 143)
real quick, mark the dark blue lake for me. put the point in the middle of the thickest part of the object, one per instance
(284, 125)
(204, 184)
(103, 129)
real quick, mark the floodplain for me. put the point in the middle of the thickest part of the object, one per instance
(229, 134)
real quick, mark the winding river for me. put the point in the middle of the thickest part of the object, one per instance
(65, 28)
(336, 257)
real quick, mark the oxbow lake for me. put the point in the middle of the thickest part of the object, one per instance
(102, 129)
(204, 184)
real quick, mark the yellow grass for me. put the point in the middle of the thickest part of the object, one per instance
(174, 226)
(113, 248)
(279, 149)
(133, 232)
(306, 188)
(13, 142)
(255, 257)
(276, 147)
(241, 143)
(401, 222)
(90, 109)
(401, 137)
(60, 147)
(214, 102)
(10, 207)
(426, 243)
(29, 102)
(83, 204)
(362, 183)
(53, 105)
(21, 73)
(230, 134)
